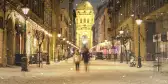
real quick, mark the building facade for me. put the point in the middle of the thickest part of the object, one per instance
(13, 29)
(101, 30)
(62, 46)
(152, 12)
(84, 23)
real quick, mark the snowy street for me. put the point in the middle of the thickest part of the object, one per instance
(100, 72)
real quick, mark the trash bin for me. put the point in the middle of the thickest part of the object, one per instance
(18, 58)
(24, 63)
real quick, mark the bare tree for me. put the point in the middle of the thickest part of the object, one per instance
(40, 38)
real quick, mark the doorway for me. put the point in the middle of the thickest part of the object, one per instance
(150, 45)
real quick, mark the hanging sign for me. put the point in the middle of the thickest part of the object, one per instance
(157, 37)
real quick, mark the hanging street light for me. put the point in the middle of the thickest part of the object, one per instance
(121, 39)
(139, 21)
(25, 10)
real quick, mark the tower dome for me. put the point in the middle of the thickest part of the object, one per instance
(84, 5)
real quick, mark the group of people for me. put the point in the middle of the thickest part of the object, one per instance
(79, 56)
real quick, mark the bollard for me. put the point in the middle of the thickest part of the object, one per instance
(24, 65)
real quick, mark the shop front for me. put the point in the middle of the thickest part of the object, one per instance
(102, 50)
(37, 41)
(16, 39)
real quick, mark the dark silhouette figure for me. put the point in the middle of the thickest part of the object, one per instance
(86, 57)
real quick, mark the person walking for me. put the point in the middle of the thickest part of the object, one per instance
(114, 51)
(86, 58)
(77, 59)
(66, 55)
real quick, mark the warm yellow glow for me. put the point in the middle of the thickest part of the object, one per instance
(84, 41)
(64, 39)
(39, 28)
(138, 21)
(59, 35)
(84, 22)
(121, 31)
(28, 43)
(132, 15)
(25, 10)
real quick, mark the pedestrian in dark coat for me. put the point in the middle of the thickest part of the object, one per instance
(86, 58)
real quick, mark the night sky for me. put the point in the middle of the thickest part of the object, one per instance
(93, 2)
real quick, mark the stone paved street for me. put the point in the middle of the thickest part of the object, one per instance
(100, 72)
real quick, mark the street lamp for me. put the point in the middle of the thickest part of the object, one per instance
(58, 46)
(121, 55)
(139, 21)
(121, 32)
(59, 35)
(64, 39)
(25, 12)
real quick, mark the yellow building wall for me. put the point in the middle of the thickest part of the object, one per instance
(84, 23)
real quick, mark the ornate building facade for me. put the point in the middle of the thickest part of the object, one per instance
(84, 23)
(15, 24)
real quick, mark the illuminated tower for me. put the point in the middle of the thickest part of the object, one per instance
(84, 23)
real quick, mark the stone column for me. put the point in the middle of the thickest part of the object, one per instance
(55, 26)
(10, 40)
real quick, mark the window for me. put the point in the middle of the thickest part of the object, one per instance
(84, 20)
(81, 20)
(61, 17)
(61, 31)
(88, 20)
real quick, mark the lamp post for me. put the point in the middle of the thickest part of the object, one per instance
(139, 21)
(58, 35)
(121, 55)
(63, 49)
(48, 49)
(25, 12)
